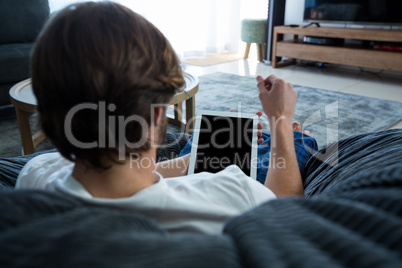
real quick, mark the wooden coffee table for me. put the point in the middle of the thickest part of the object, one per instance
(25, 103)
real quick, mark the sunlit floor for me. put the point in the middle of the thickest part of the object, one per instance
(385, 85)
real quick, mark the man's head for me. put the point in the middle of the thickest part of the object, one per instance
(103, 67)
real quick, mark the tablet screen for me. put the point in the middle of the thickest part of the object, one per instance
(224, 141)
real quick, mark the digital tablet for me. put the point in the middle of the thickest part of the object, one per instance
(221, 139)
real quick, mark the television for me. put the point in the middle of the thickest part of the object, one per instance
(388, 12)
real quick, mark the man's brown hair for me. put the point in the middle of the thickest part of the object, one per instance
(101, 53)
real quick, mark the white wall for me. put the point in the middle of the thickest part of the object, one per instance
(294, 12)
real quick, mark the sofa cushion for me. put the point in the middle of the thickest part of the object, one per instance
(351, 216)
(15, 62)
(4, 93)
(11, 167)
(42, 229)
(322, 231)
(361, 161)
(22, 20)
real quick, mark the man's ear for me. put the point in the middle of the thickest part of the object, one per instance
(158, 114)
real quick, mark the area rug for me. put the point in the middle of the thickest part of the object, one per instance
(328, 115)
(10, 140)
(211, 59)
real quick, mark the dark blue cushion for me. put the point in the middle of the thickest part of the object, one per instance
(14, 62)
(22, 20)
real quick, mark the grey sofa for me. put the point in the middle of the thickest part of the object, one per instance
(351, 216)
(20, 23)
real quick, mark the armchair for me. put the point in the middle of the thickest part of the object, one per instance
(21, 22)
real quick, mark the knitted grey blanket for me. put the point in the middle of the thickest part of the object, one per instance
(351, 217)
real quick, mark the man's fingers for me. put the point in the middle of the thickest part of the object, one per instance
(266, 85)
(231, 110)
(271, 79)
(260, 140)
(259, 78)
(261, 84)
(260, 126)
(259, 113)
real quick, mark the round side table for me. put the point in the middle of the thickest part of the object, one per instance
(24, 102)
(187, 95)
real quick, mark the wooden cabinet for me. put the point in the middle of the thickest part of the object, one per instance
(347, 54)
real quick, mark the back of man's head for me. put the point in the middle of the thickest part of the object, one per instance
(95, 65)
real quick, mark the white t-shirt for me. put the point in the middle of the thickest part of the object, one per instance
(196, 203)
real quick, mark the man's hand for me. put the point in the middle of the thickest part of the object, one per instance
(278, 98)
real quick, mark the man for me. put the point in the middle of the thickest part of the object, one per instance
(102, 57)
